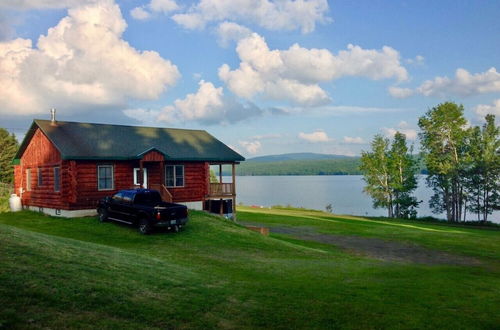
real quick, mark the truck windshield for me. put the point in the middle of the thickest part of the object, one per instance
(147, 198)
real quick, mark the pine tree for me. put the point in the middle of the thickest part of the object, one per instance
(483, 173)
(8, 148)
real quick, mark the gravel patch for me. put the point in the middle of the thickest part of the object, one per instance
(377, 248)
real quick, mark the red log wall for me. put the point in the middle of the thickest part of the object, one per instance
(40, 154)
(196, 176)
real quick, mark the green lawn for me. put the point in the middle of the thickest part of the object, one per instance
(79, 273)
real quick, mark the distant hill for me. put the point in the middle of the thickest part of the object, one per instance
(304, 164)
(295, 156)
(299, 164)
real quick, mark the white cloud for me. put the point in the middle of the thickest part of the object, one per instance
(267, 136)
(43, 4)
(484, 109)
(399, 92)
(272, 15)
(353, 140)
(229, 31)
(164, 6)
(208, 106)
(315, 137)
(252, 147)
(155, 6)
(294, 75)
(463, 84)
(418, 60)
(140, 13)
(82, 62)
(403, 127)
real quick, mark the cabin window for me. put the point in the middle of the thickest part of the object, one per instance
(105, 177)
(28, 179)
(40, 177)
(137, 176)
(174, 176)
(57, 179)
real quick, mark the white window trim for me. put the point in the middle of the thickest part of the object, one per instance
(145, 178)
(183, 177)
(54, 172)
(112, 177)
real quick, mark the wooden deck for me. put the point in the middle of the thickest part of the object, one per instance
(221, 190)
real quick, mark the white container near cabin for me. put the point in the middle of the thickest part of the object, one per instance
(15, 203)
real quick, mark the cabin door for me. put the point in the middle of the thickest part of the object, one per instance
(145, 177)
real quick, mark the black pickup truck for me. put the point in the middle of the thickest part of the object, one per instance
(143, 208)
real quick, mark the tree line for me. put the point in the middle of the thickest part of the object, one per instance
(462, 162)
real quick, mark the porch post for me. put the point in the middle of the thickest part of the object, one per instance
(234, 190)
(141, 174)
(162, 173)
(220, 173)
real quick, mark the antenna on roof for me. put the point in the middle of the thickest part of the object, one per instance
(53, 116)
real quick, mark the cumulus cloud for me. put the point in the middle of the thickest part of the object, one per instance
(252, 147)
(463, 84)
(399, 92)
(315, 137)
(294, 75)
(403, 127)
(272, 15)
(230, 31)
(484, 109)
(353, 140)
(140, 13)
(208, 105)
(42, 4)
(82, 62)
(155, 6)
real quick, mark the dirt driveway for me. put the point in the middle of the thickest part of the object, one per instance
(375, 247)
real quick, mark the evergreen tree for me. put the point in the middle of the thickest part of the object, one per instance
(483, 173)
(8, 148)
(445, 149)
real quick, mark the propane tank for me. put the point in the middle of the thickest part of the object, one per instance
(15, 203)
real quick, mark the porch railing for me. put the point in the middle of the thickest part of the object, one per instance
(221, 189)
(164, 193)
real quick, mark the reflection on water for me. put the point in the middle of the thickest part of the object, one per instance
(344, 192)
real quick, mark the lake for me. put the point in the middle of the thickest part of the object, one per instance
(344, 192)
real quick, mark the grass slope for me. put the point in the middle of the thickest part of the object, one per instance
(79, 273)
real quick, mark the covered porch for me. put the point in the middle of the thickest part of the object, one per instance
(221, 196)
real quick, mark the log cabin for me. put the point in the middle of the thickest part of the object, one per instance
(63, 168)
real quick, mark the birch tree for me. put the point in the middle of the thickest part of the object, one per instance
(390, 175)
(444, 145)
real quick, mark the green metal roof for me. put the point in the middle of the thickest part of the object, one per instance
(76, 140)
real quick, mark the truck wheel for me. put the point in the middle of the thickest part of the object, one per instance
(103, 215)
(144, 226)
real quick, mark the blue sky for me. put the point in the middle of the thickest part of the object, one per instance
(265, 77)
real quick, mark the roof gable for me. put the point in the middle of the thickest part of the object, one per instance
(118, 142)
